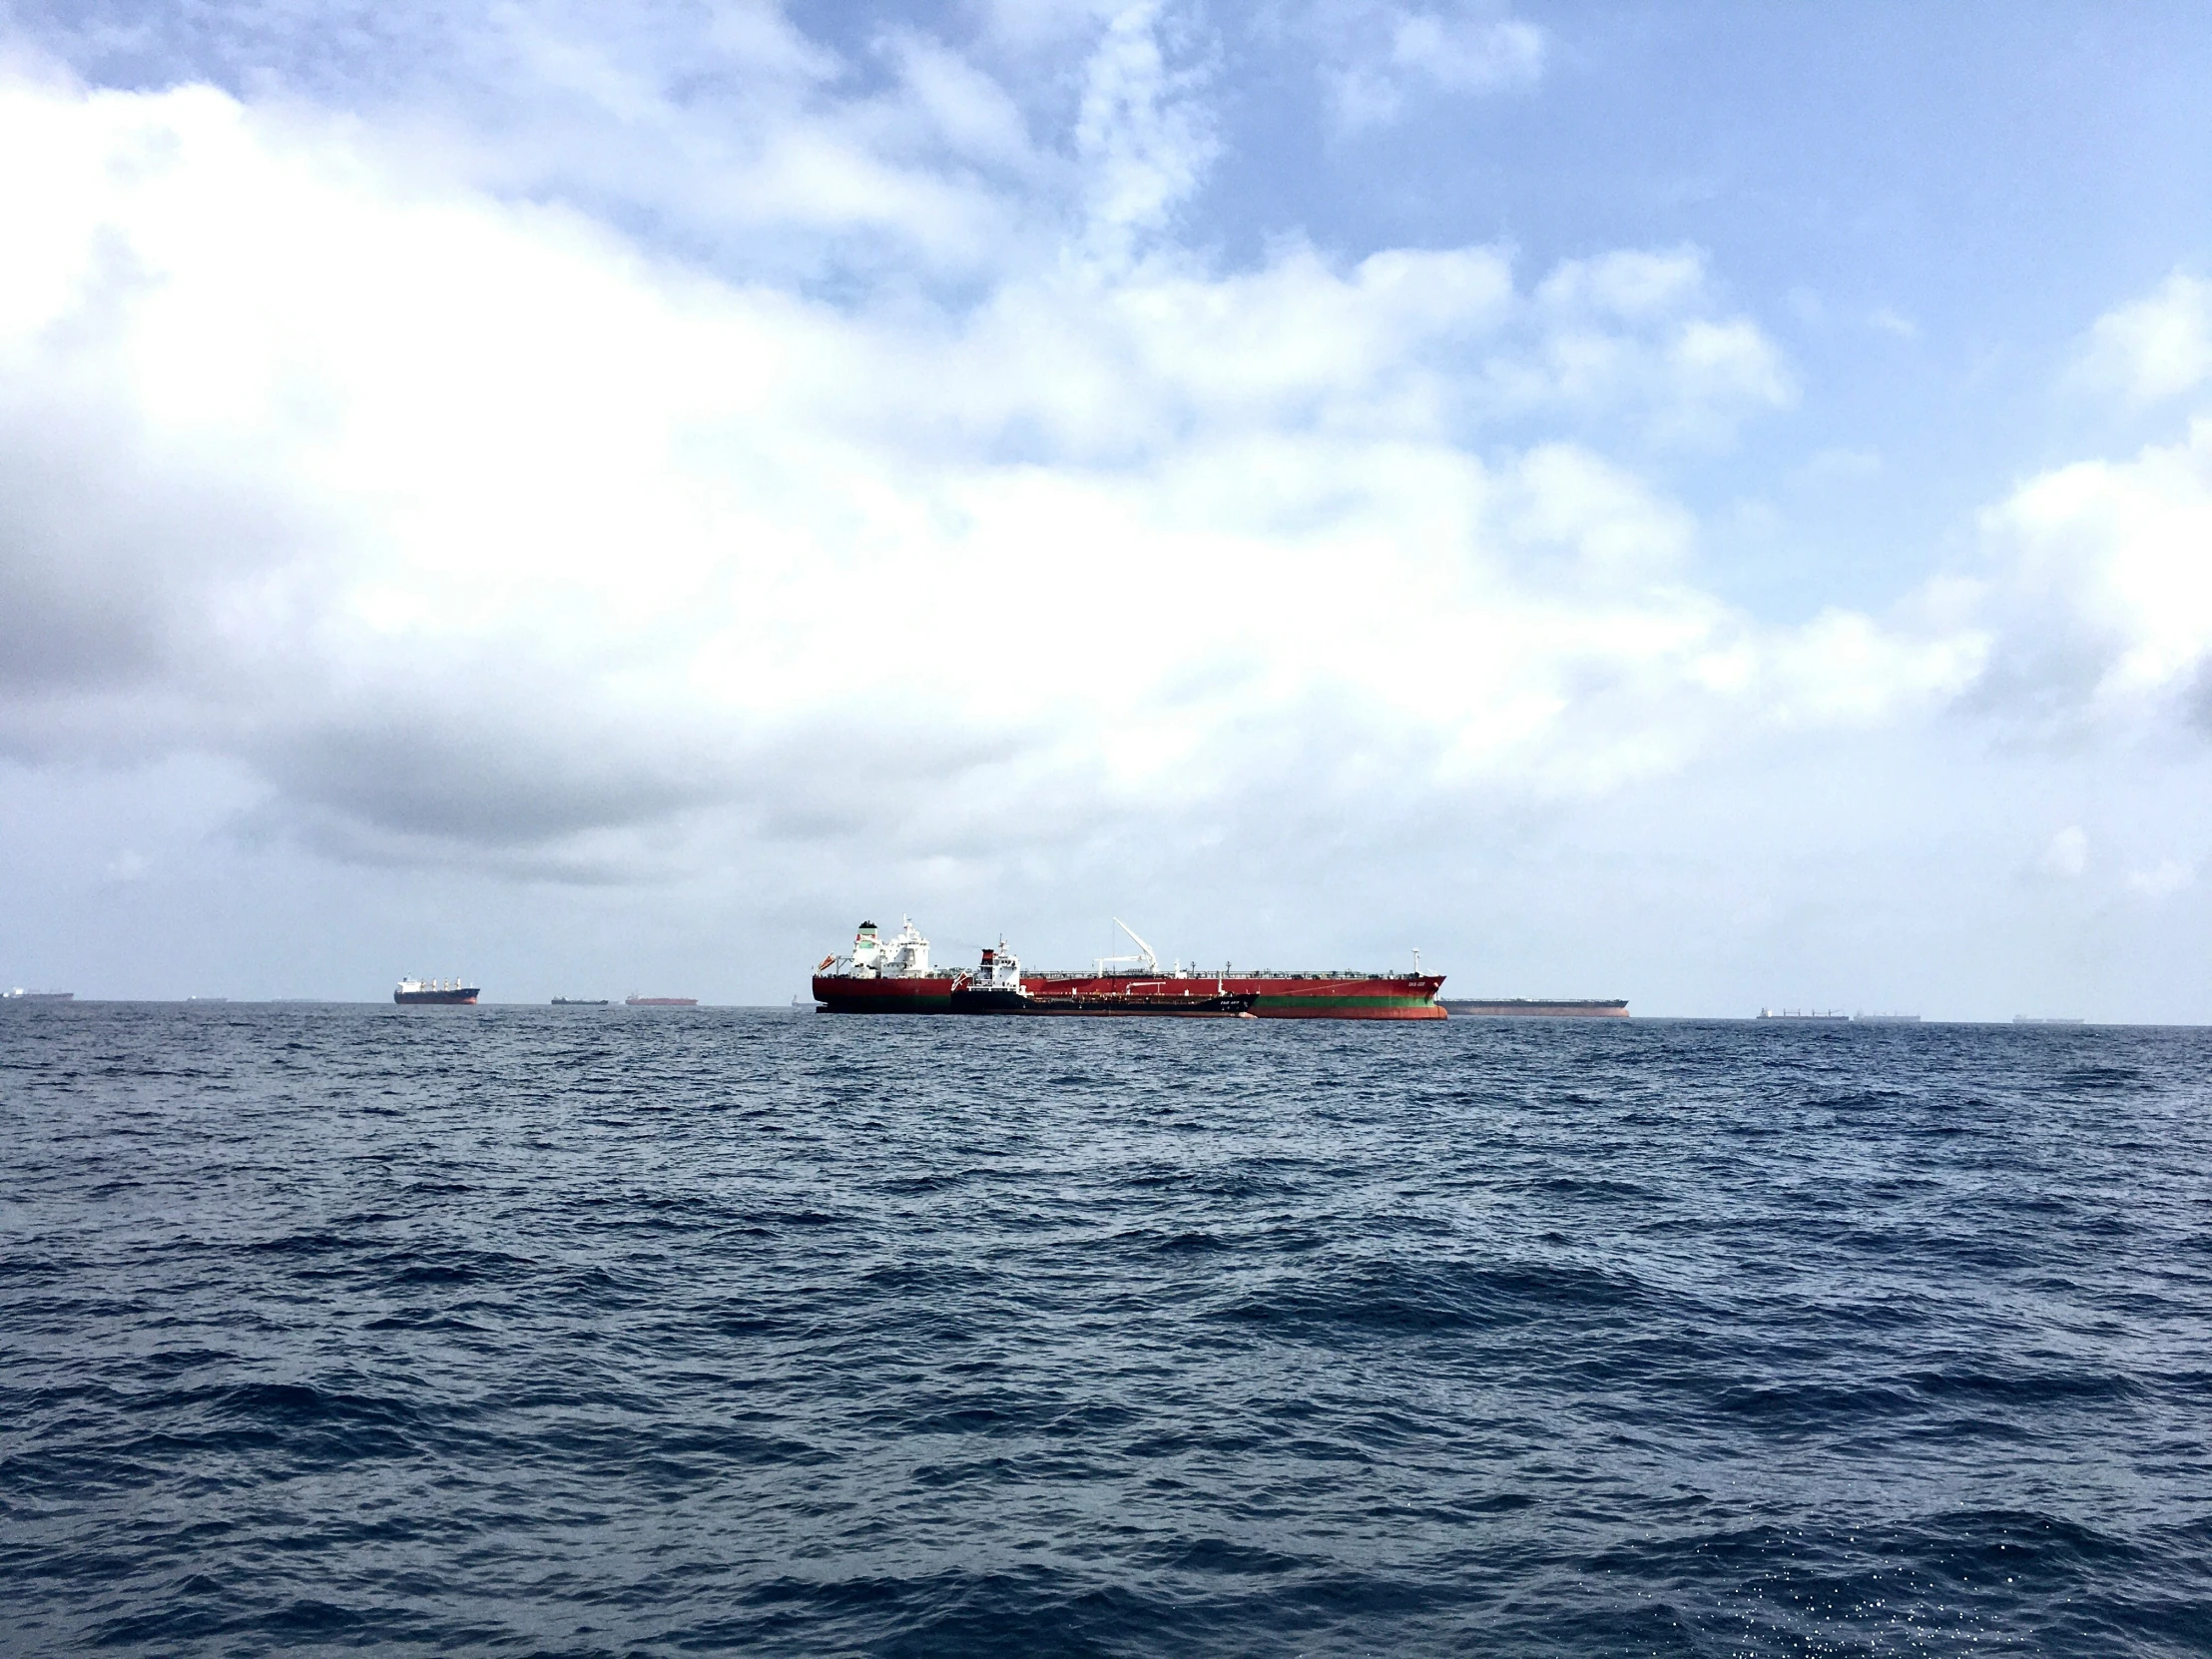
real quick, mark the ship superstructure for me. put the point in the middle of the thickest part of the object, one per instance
(895, 977)
(994, 987)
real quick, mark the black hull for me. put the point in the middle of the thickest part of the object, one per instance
(465, 998)
(966, 999)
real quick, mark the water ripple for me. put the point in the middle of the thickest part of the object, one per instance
(563, 1329)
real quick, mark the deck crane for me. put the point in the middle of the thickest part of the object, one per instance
(1145, 958)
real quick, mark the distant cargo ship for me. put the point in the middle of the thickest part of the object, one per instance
(633, 1000)
(447, 993)
(1801, 1014)
(19, 994)
(1533, 1007)
(579, 1002)
(894, 976)
(2032, 1019)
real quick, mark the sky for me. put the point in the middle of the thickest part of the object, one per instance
(1709, 504)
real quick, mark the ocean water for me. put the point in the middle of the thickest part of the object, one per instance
(582, 1331)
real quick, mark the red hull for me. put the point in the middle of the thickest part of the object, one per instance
(1274, 995)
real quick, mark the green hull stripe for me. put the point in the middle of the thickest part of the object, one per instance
(1264, 1003)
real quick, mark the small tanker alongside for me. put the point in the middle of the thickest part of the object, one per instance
(895, 977)
(997, 987)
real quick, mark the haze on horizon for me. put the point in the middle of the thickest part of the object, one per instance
(1707, 504)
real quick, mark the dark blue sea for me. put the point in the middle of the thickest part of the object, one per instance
(584, 1332)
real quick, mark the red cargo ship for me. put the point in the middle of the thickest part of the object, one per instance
(894, 976)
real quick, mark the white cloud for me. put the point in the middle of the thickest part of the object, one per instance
(2096, 583)
(966, 111)
(726, 132)
(1467, 53)
(469, 527)
(1622, 325)
(2163, 879)
(2104, 577)
(1628, 282)
(2155, 348)
(1146, 143)
(1382, 51)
